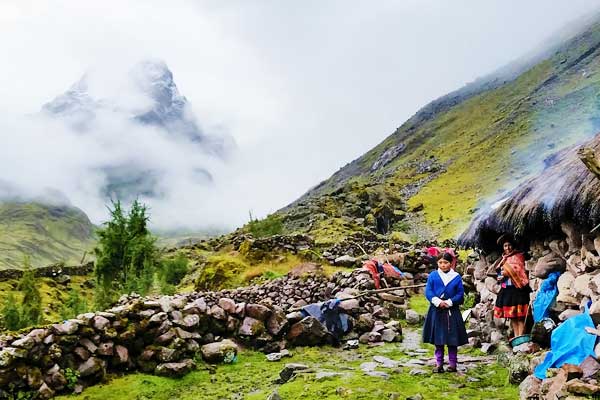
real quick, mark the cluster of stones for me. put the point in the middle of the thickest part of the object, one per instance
(164, 335)
(290, 243)
(576, 256)
(407, 256)
(50, 271)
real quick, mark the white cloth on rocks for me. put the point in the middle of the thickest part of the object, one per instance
(446, 278)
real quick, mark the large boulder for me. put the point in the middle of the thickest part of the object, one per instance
(197, 306)
(251, 327)
(277, 322)
(549, 263)
(413, 317)
(9, 354)
(364, 323)
(227, 304)
(581, 285)
(258, 311)
(92, 366)
(174, 369)
(217, 352)
(346, 261)
(530, 388)
(308, 332)
(66, 328)
(100, 323)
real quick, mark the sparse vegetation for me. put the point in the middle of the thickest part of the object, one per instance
(220, 271)
(74, 305)
(28, 311)
(269, 226)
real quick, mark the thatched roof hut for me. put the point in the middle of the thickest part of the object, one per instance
(566, 191)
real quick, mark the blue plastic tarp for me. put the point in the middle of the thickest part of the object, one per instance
(329, 314)
(545, 297)
(569, 343)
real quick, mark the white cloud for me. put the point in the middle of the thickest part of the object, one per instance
(303, 87)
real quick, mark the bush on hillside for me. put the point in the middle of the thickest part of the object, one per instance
(74, 305)
(173, 270)
(269, 226)
(220, 272)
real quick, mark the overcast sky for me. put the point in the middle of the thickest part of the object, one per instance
(303, 87)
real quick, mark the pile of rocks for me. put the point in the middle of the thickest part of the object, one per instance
(291, 243)
(568, 380)
(163, 335)
(408, 257)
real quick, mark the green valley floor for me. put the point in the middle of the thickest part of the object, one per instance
(403, 370)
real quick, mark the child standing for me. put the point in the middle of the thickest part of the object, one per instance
(444, 324)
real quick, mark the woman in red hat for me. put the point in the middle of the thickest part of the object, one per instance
(513, 299)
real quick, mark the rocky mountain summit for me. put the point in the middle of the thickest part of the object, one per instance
(154, 100)
(145, 97)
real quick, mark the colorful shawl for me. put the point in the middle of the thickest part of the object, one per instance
(514, 265)
(375, 268)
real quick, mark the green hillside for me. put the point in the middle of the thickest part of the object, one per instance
(463, 150)
(47, 234)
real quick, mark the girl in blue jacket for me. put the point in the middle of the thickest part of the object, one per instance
(444, 324)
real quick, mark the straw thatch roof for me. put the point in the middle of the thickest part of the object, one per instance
(566, 191)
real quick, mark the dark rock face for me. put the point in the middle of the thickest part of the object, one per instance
(308, 332)
(148, 97)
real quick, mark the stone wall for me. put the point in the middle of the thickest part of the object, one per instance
(50, 271)
(165, 335)
(576, 255)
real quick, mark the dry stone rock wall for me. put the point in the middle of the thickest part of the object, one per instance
(165, 335)
(576, 256)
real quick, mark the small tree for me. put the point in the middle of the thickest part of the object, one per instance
(126, 255)
(10, 313)
(31, 306)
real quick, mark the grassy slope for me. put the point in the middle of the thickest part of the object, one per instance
(488, 142)
(244, 270)
(47, 234)
(53, 294)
